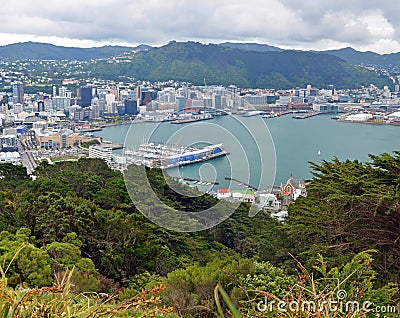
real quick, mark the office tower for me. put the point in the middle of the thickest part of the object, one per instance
(331, 88)
(110, 98)
(41, 106)
(85, 96)
(62, 92)
(216, 101)
(18, 93)
(131, 107)
(180, 103)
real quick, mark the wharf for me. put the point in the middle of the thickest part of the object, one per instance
(307, 115)
(244, 183)
(112, 145)
(91, 129)
(190, 120)
(199, 182)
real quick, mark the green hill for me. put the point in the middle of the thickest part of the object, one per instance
(194, 62)
(44, 51)
(356, 57)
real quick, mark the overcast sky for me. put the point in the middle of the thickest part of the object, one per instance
(307, 24)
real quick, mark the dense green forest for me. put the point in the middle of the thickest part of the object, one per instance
(195, 62)
(74, 229)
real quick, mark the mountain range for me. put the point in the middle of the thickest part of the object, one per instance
(45, 51)
(348, 54)
(242, 64)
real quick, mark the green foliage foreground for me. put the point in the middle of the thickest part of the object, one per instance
(76, 220)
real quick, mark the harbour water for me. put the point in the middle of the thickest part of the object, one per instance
(296, 143)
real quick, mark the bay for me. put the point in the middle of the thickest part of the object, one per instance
(295, 142)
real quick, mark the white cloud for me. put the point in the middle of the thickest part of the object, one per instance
(308, 24)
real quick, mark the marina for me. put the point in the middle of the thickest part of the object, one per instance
(159, 155)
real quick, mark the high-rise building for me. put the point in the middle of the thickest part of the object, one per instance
(180, 103)
(85, 96)
(95, 111)
(110, 98)
(331, 88)
(62, 92)
(216, 101)
(131, 107)
(18, 93)
(41, 107)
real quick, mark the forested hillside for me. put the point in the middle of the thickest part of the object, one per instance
(76, 220)
(195, 62)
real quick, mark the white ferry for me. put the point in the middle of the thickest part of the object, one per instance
(157, 155)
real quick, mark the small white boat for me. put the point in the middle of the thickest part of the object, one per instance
(319, 152)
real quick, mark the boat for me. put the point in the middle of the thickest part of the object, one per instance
(253, 113)
(157, 155)
(319, 152)
(192, 119)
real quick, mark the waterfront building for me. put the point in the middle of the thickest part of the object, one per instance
(326, 108)
(223, 194)
(95, 111)
(216, 101)
(180, 103)
(101, 152)
(56, 139)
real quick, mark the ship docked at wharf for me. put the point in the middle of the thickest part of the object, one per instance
(159, 155)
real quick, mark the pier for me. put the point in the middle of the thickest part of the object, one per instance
(307, 115)
(205, 182)
(112, 145)
(191, 120)
(244, 183)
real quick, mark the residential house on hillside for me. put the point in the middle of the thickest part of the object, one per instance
(223, 194)
(293, 188)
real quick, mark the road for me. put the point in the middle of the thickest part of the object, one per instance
(26, 158)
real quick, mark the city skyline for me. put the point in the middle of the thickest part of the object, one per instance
(364, 25)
